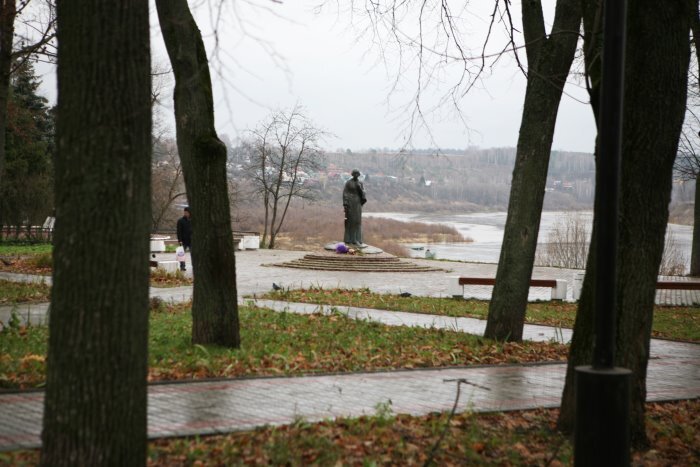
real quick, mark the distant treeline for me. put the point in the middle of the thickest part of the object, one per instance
(478, 177)
(467, 179)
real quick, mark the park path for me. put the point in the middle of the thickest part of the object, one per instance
(255, 275)
(219, 406)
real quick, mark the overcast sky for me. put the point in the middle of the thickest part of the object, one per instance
(274, 55)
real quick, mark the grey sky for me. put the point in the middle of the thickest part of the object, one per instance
(274, 55)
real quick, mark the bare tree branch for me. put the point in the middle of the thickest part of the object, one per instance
(283, 150)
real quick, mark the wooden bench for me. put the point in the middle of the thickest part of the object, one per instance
(558, 286)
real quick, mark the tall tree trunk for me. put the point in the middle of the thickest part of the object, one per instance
(95, 404)
(8, 11)
(203, 156)
(655, 96)
(549, 59)
(695, 251)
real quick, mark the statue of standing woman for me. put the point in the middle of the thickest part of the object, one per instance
(353, 199)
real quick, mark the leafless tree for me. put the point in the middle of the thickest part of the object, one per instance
(35, 31)
(167, 182)
(203, 155)
(659, 49)
(282, 149)
(687, 165)
(34, 39)
(673, 260)
(97, 363)
(427, 45)
(431, 37)
(567, 244)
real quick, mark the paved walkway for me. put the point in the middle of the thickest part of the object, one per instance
(242, 404)
(177, 409)
(255, 277)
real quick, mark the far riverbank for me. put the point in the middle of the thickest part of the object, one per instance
(486, 231)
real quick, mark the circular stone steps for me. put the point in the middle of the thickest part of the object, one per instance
(355, 263)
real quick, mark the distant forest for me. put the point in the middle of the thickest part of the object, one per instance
(466, 180)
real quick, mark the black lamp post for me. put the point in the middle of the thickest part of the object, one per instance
(601, 435)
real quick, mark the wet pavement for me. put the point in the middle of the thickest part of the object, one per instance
(177, 409)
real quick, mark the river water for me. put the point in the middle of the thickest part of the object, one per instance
(486, 231)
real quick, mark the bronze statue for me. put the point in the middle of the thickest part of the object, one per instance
(353, 199)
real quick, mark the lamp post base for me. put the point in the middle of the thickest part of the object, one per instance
(602, 430)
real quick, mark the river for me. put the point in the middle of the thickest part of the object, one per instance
(486, 231)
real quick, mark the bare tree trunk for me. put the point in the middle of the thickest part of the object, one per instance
(275, 202)
(549, 59)
(286, 208)
(95, 404)
(695, 252)
(658, 50)
(203, 156)
(266, 200)
(8, 11)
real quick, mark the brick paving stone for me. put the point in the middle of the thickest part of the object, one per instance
(178, 409)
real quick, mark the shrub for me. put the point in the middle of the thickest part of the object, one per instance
(673, 260)
(567, 244)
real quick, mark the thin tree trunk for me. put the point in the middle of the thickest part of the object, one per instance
(95, 403)
(266, 196)
(266, 200)
(203, 156)
(276, 199)
(658, 50)
(286, 208)
(8, 12)
(549, 61)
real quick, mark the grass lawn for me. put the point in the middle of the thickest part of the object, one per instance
(277, 343)
(37, 259)
(20, 292)
(36, 292)
(285, 343)
(503, 439)
(15, 249)
(162, 278)
(680, 323)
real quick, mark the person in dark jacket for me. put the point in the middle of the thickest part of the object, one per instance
(184, 233)
(353, 199)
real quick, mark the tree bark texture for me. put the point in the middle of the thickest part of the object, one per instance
(655, 95)
(549, 59)
(695, 251)
(203, 156)
(8, 11)
(95, 403)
